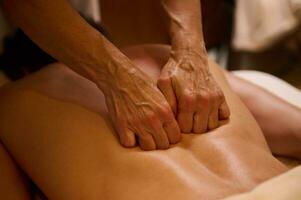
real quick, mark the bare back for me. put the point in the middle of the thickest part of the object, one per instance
(54, 124)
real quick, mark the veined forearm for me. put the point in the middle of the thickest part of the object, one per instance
(184, 23)
(136, 106)
(58, 29)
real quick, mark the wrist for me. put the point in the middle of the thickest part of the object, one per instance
(107, 64)
(185, 38)
(188, 44)
(199, 51)
(116, 73)
(120, 73)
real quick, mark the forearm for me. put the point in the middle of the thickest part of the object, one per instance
(132, 98)
(184, 21)
(59, 30)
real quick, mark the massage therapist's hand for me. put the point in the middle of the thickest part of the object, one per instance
(186, 82)
(135, 104)
(138, 108)
(190, 89)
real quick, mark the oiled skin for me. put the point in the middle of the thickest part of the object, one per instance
(58, 132)
(59, 30)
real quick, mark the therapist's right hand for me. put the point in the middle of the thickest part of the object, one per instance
(139, 110)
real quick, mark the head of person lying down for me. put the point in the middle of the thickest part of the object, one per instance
(54, 125)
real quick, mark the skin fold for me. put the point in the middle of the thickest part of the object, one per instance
(138, 108)
(56, 126)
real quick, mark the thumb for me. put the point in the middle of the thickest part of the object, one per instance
(165, 85)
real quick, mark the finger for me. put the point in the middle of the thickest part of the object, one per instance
(224, 111)
(146, 141)
(173, 132)
(200, 118)
(185, 121)
(213, 119)
(165, 86)
(186, 107)
(130, 140)
(126, 136)
(200, 121)
(160, 137)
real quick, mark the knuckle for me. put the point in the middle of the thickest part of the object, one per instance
(168, 118)
(151, 117)
(213, 97)
(165, 108)
(165, 111)
(219, 94)
(189, 96)
(188, 99)
(205, 97)
(222, 97)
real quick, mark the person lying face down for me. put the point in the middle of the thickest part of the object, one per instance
(54, 124)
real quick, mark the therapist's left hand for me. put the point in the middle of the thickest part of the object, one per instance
(190, 89)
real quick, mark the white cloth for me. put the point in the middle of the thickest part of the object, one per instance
(261, 23)
(272, 84)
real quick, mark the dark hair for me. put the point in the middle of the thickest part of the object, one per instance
(21, 56)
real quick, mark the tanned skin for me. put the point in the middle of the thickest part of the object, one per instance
(156, 117)
(55, 126)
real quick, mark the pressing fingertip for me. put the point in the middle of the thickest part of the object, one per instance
(176, 138)
(129, 139)
(147, 143)
(185, 121)
(213, 120)
(200, 123)
(173, 132)
(224, 111)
